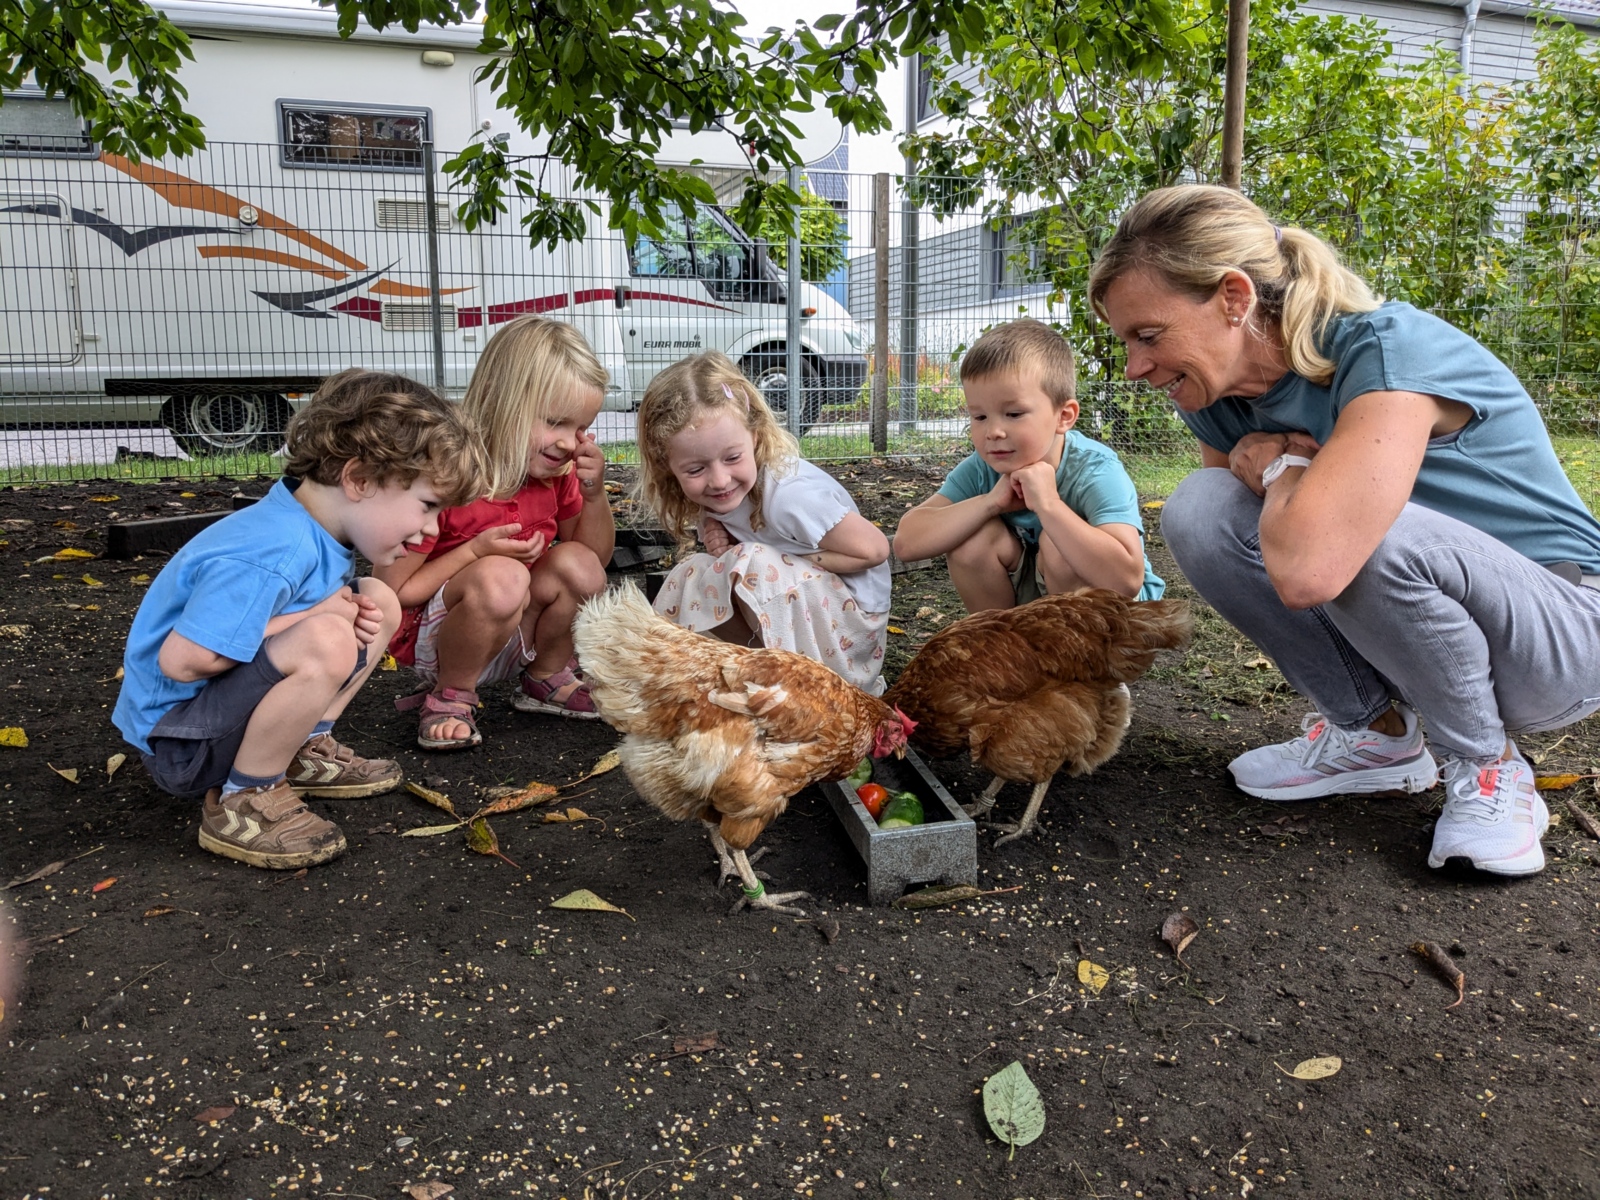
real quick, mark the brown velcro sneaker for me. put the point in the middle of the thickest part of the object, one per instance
(268, 827)
(325, 769)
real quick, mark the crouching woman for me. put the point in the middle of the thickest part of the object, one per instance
(1380, 510)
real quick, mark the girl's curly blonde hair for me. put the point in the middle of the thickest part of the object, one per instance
(683, 395)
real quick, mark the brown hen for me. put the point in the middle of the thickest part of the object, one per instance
(1031, 689)
(723, 733)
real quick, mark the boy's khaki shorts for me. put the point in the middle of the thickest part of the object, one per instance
(1027, 577)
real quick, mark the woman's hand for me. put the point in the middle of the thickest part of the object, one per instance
(1254, 452)
(589, 465)
(503, 540)
(715, 536)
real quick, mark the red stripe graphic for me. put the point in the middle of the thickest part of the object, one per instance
(471, 318)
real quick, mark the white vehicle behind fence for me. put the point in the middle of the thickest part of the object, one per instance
(211, 294)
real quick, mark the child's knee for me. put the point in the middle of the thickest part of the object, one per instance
(321, 644)
(497, 587)
(387, 601)
(581, 572)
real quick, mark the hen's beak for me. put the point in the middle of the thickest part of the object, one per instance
(899, 751)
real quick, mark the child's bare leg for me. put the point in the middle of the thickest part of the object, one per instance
(315, 656)
(1059, 575)
(560, 581)
(384, 595)
(981, 567)
(484, 602)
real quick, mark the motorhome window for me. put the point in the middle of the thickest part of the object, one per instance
(33, 124)
(664, 255)
(722, 258)
(353, 138)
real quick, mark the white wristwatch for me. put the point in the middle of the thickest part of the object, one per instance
(1281, 464)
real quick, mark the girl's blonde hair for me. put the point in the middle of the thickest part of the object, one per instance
(683, 395)
(529, 372)
(1193, 235)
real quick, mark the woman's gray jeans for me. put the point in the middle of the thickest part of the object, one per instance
(1481, 641)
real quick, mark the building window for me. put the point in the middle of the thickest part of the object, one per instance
(1014, 263)
(924, 87)
(353, 137)
(32, 124)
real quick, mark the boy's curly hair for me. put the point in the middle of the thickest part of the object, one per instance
(683, 395)
(395, 428)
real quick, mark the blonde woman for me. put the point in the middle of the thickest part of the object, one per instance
(1380, 509)
(492, 597)
(790, 563)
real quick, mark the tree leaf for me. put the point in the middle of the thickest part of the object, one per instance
(42, 873)
(217, 1112)
(71, 552)
(388, 663)
(437, 799)
(1315, 1068)
(527, 797)
(102, 885)
(1177, 931)
(609, 761)
(586, 901)
(431, 830)
(14, 736)
(937, 897)
(70, 774)
(114, 764)
(1013, 1107)
(159, 910)
(433, 1189)
(92, 581)
(482, 840)
(1093, 976)
(1555, 783)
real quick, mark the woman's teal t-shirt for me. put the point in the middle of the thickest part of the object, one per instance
(1498, 473)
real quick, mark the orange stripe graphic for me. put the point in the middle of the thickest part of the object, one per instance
(272, 256)
(181, 192)
(386, 287)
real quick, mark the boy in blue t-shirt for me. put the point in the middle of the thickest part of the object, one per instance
(1039, 509)
(251, 640)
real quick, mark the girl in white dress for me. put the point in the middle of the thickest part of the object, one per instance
(789, 561)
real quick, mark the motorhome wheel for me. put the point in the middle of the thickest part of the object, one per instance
(208, 424)
(769, 371)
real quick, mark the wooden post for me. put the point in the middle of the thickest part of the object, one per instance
(880, 312)
(1233, 93)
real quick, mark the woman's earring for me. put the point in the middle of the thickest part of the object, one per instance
(1234, 320)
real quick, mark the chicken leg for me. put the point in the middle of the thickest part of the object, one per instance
(986, 801)
(727, 868)
(1030, 818)
(736, 862)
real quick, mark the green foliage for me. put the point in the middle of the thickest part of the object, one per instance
(1013, 1107)
(823, 237)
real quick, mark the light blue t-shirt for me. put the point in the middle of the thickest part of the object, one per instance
(1498, 473)
(220, 591)
(1091, 481)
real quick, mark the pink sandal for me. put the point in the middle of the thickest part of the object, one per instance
(538, 695)
(438, 706)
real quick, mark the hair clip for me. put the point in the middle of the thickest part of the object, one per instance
(1277, 234)
(727, 390)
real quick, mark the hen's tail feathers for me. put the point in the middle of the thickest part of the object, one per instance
(609, 633)
(1152, 625)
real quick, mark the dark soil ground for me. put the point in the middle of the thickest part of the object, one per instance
(415, 1012)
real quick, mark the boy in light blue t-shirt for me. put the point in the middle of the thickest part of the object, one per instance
(251, 641)
(1039, 508)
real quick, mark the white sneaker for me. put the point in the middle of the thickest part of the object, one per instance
(1493, 817)
(1328, 761)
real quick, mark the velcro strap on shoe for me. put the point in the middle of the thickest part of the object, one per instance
(276, 804)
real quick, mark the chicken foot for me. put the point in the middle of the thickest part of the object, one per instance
(756, 894)
(728, 869)
(986, 801)
(1030, 818)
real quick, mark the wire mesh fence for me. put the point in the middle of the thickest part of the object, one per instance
(166, 319)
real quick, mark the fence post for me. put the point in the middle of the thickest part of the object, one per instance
(794, 367)
(908, 266)
(436, 308)
(880, 312)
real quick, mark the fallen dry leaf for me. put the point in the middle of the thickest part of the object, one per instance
(1280, 826)
(1555, 783)
(586, 901)
(15, 631)
(63, 523)
(91, 608)
(1585, 822)
(14, 736)
(92, 581)
(609, 761)
(104, 499)
(42, 873)
(140, 578)
(114, 764)
(895, 629)
(1315, 1068)
(70, 774)
(1259, 662)
(432, 830)
(1093, 976)
(437, 799)
(159, 910)
(71, 552)
(1446, 966)
(1177, 931)
(1152, 505)
(388, 663)
(186, 495)
(218, 1112)
(481, 839)
(697, 1043)
(434, 1189)
(102, 885)
(515, 801)
(937, 897)
(572, 814)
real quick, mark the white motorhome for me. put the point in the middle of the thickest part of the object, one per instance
(212, 293)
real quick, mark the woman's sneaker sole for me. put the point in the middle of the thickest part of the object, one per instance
(1414, 775)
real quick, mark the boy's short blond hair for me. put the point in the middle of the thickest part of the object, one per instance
(395, 428)
(1020, 346)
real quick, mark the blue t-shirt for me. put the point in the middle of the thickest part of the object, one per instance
(1091, 481)
(1498, 473)
(220, 591)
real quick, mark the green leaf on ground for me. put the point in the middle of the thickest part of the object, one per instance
(586, 901)
(1013, 1107)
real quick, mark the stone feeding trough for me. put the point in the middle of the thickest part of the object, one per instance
(943, 850)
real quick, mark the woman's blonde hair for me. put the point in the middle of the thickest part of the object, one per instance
(683, 395)
(530, 371)
(1193, 235)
